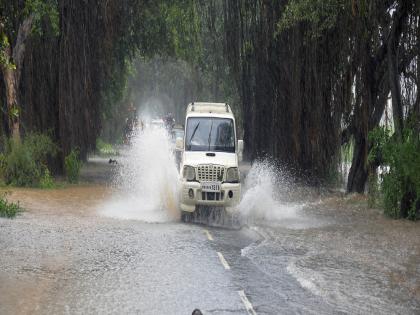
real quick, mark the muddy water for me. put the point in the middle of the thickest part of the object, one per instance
(30, 260)
(74, 200)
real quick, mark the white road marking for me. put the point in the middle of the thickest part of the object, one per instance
(210, 238)
(247, 303)
(223, 261)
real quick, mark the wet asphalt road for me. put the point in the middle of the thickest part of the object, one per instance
(317, 262)
(80, 265)
(69, 264)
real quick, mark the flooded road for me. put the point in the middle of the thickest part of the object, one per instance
(115, 245)
(97, 265)
(351, 258)
(333, 257)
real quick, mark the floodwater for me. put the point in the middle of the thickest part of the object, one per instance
(97, 248)
(352, 258)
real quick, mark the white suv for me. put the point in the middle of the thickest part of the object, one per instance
(210, 156)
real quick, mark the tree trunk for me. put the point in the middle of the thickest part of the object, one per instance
(358, 171)
(12, 76)
(11, 100)
(394, 77)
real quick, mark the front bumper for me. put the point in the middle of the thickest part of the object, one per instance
(228, 197)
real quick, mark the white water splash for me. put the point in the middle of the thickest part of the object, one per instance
(147, 180)
(264, 193)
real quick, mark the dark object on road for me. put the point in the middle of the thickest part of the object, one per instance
(111, 161)
(197, 312)
(169, 121)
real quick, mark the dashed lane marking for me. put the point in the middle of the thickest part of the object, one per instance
(247, 303)
(210, 238)
(223, 261)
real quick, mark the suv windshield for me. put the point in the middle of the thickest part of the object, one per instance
(210, 134)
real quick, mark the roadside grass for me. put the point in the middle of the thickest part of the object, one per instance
(46, 181)
(73, 165)
(8, 209)
(105, 149)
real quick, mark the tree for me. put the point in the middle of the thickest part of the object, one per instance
(17, 21)
(315, 74)
(289, 82)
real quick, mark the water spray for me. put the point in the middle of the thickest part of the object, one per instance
(146, 180)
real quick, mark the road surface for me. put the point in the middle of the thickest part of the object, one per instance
(63, 256)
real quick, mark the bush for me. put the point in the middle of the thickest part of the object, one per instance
(401, 183)
(8, 209)
(105, 148)
(73, 165)
(46, 181)
(22, 164)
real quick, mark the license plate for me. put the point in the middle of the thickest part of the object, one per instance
(210, 186)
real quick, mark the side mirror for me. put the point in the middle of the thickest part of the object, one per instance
(240, 150)
(179, 144)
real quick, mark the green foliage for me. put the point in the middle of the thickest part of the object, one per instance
(105, 148)
(347, 151)
(73, 164)
(4, 57)
(8, 209)
(22, 164)
(21, 169)
(401, 184)
(46, 181)
(183, 26)
(378, 138)
(13, 13)
(43, 9)
(41, 146)
(321, 15)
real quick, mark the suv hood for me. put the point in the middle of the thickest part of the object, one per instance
(195, 158)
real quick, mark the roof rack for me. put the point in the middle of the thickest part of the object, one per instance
(207, 107)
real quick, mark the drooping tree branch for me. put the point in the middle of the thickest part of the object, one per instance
(396, 30)
(19, 48)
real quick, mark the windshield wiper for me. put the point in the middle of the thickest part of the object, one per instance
(193, 134)
(211, 128)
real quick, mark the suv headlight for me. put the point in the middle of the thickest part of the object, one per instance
(232, 175)
(189, 173)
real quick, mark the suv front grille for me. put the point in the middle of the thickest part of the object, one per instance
(216, 196)
(210, 173)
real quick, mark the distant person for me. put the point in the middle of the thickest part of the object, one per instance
(128, 129)
(169, 122)
(131, 109)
